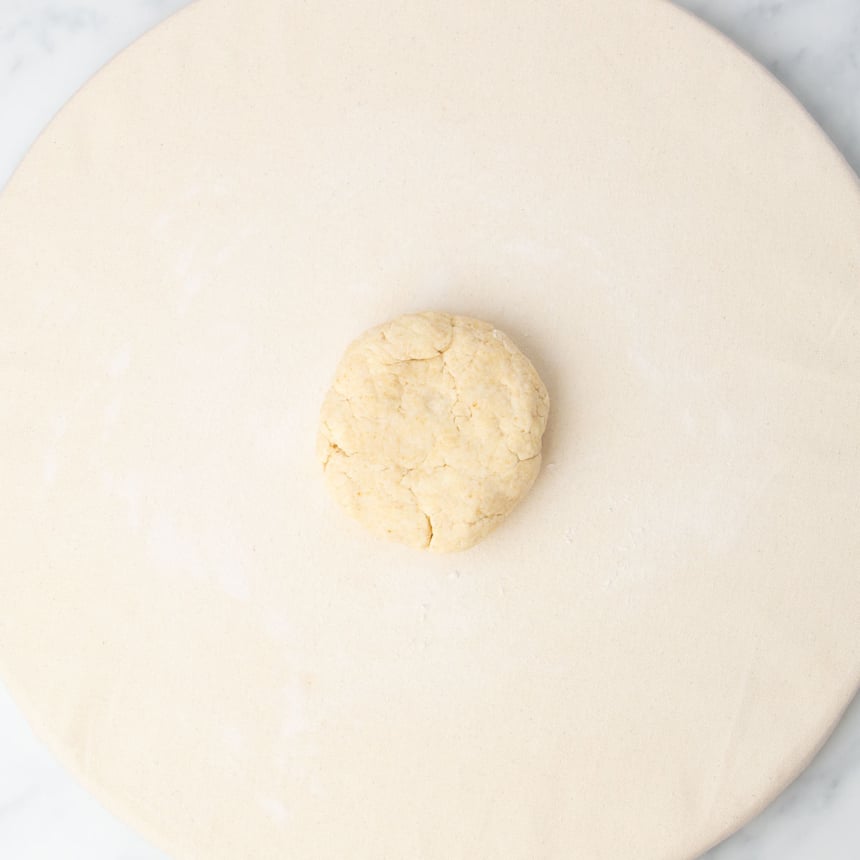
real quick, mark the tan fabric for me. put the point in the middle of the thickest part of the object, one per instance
(666, 628)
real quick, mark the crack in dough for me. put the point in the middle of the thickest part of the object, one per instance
(432, 430)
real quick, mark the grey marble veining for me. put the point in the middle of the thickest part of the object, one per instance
(812, 46)
(48, 48)
(816, 818)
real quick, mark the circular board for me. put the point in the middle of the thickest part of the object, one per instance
(662, 634)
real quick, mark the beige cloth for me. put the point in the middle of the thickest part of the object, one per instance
(665, 629)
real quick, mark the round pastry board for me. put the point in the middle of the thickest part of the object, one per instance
(662, 634)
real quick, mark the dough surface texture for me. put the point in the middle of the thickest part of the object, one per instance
(432, 430)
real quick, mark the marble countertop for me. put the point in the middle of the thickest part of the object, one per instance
(48, 48)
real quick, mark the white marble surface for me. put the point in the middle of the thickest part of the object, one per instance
(48, 48)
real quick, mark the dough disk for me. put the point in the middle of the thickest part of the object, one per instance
(432, 430)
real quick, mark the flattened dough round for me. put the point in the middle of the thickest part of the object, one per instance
(664, 632)
(432, 430)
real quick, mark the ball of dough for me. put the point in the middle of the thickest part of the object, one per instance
(432, 430)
